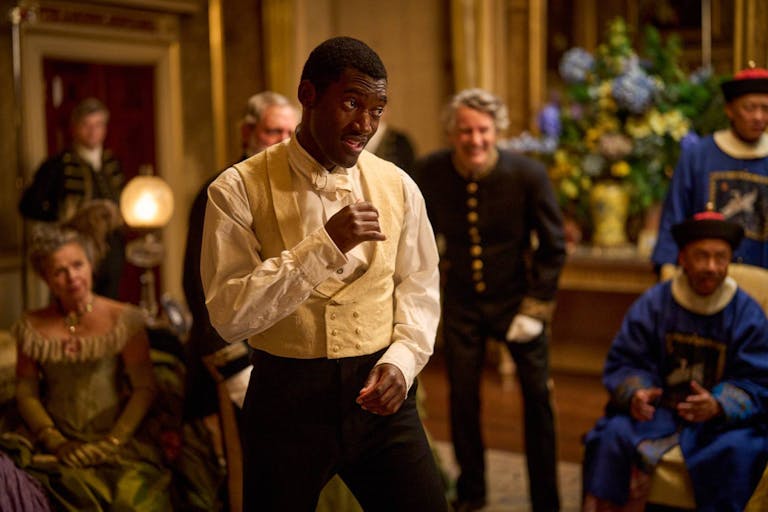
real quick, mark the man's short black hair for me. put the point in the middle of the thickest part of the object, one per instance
(330, 58)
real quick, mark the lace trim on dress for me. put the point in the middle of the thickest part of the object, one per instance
(77, 348)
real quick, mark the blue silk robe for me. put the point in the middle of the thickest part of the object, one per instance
(736, 187)
(726, 455)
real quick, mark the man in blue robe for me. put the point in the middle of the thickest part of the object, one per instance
(728, 171)
(689, 366)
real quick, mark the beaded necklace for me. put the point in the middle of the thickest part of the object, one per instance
(72, 318)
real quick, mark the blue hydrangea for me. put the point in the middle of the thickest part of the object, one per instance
(575, 64)
(528, 144)
(549, 120)
(634, 90)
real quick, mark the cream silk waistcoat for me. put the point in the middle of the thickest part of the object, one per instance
(338, 319)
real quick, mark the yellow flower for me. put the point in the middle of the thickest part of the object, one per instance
(657, 122)
(591, 137)
(638, 127)
(562, 166)
(561, 157)
(605, 99)
(604, 89)
(558, 172)
(607, 123)
(608, 104)
(586, 183)
(569, 189)
(620, 169)
(677, 124)
(673, 117)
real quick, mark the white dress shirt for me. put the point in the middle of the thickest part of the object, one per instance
(246, 295)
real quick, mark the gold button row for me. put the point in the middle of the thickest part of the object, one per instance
(475, 250)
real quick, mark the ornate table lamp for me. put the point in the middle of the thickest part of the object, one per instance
(146, 204)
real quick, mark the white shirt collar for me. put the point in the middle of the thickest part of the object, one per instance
(302, 162)
(335, 183)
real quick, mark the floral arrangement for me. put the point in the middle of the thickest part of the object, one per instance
(622, 117)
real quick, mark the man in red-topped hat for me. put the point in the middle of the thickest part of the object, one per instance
(687, 370)
(726, 171)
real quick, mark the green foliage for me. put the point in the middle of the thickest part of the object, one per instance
(623, 116)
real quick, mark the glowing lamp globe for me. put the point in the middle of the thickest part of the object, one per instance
(146, 202)
(147, 205)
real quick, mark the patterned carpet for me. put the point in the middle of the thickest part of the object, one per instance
(508, 480)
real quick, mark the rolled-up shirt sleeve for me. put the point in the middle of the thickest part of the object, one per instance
(243, 293)
(417, 292)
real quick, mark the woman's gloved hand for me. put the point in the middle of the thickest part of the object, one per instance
(77, 454)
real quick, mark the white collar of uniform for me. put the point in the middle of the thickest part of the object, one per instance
(733, 146)
(702, 304)
(91, 156)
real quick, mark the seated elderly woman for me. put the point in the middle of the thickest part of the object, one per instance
(85, 382)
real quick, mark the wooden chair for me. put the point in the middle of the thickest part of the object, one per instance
(229, 428)
(671, 484)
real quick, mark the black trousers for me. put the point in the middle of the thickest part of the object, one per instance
(466, 330)
(301, 426)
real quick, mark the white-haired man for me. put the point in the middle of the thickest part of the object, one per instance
(487, 203)
(270, 118)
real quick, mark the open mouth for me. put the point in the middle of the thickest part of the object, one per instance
(355, 144)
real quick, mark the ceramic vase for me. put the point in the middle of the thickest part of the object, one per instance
(609, 207)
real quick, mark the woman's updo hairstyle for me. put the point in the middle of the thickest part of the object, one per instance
(88, 227)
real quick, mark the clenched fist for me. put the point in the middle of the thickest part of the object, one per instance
(354, 224)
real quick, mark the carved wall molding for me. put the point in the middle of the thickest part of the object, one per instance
(169, 6)
(100, 21)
